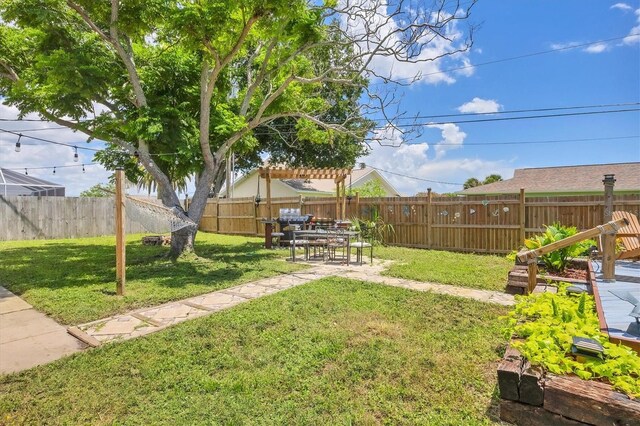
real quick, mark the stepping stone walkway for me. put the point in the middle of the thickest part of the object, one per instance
(29, 338)
(149, 320)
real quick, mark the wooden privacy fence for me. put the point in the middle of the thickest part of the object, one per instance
(484, 224)
(31, 218)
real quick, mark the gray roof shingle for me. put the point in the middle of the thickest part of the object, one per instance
(564, 179)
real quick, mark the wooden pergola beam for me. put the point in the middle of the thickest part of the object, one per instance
(304, 173)
(339, 176)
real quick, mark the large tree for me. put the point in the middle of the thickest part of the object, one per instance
(175, 86)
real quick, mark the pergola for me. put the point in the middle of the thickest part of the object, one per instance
(339, 176)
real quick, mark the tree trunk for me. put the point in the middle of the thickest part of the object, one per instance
(182, 241)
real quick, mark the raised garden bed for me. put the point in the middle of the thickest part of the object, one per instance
(529, 396)
(578, 272)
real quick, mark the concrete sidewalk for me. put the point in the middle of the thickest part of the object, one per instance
(28, 337)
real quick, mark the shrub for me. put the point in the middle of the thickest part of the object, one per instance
(558, 260)
(373, 230)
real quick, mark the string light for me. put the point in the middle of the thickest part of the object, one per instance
(26, 172)
(18, 143)
(75, 154)
(83, 165)
(54, 170)
(83, 168)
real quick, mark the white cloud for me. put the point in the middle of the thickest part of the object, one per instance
(452, 138)
(621, 6)
(412, 160)
(597, 48)
(388, 136)
(634, 35)
(374, 27)
(558, 46)
(479, 105)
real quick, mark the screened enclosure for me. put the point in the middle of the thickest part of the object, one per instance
(13, 183)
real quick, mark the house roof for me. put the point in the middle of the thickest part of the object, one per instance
(13, 183)
(322, 186)
(325, 185)
(564, 179)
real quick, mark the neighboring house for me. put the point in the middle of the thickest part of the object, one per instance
(565, 180)
(247, 185)
(13, 184)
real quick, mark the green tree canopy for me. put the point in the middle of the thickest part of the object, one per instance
(471, 183)
(100, 190)
(371, 188)
(175, 87)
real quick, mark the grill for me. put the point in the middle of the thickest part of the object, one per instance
(290, 219)
(293, 217)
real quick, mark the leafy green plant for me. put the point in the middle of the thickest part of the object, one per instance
(373, 230)
(558, 260)
(547, 322)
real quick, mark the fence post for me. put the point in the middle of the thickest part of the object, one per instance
(429, 241)
(522, 217)
(255, 215)
(218, 214)
(608, 240)
(357, 205)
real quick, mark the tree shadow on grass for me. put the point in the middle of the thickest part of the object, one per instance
(65, 265)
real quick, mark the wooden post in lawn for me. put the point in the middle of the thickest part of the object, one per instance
(532, 270)
(120, 234)
(608, 240)
(429, 218)
(343, 212)
(268, 178)
(337, 199)
(522, 217)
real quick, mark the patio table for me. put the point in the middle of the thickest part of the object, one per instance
(323, 233)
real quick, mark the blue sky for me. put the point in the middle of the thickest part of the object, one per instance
(602, 74)
(609, 74)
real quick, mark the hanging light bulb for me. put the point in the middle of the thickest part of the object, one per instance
(83, 168)
(75, 154)
(18, 143)
(54, 170)
(26, 172)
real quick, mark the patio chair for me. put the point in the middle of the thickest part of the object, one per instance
(336, 239)
(319, 244)
(360, 247)
(629, 235)
(298, 242)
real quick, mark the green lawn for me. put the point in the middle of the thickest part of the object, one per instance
(333, 351)
(74, 280)
(461, 269)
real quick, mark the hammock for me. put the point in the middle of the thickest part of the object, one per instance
(155, 217)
